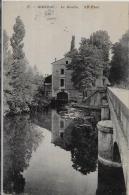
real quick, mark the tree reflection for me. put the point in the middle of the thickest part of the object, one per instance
(20, 139)
(81, 138)
(110, 180)
(84, 148)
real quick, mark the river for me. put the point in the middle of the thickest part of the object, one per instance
(54, 153)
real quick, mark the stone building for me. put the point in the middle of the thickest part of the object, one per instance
(62, 86)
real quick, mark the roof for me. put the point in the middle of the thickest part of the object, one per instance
(61, 60)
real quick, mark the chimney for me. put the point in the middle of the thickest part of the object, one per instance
(55, 59)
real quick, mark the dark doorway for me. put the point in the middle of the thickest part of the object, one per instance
(62, 96)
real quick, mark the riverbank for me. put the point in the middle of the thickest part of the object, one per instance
(41, 106)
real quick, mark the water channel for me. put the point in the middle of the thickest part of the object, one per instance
(56, 153)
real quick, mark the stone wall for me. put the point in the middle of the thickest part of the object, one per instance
(118, 107)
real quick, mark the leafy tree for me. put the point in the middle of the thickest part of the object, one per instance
(24, 81)
(101, 40)
(92, 55)
(85, 65)
(7, 60)
(17, 39)
(125, 56)
(72, 43)
(119, 72)
(116, 69)
(18, 68)
(34, 90)
(73, 51)
(23, 85)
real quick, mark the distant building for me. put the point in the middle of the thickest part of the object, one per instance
(62, 86)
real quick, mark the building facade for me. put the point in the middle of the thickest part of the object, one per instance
(62, 85)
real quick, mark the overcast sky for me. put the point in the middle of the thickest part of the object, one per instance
(49, 30)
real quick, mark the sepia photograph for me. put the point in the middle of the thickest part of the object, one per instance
(65, 98)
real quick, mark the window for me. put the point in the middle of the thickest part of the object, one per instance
(62, 82)
(62, 71)
(67, 62)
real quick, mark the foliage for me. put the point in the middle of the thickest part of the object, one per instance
(18, 69)
(84, 149)
(39, 101)
(101, 40)
(73, 51)
(92, 55)
(80, 138)
(72, 43)
(21, 138)
(7, 60)
(85, 64)
(21, 82)
(119, 72)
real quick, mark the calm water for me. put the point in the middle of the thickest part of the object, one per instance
(54, 154)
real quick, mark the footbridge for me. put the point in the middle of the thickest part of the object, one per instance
(113, 129)
(118, 100)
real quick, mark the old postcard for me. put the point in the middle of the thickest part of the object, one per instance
(65, 98)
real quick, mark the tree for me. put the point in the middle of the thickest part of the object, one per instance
(101, 40)
(72, 43)
(116, 69)
(125, 57)
(17, 39)
(7, 60)
(21, 82)
(73, 51)
(85, 65)
(18, 68)
(92, 55)
(119, 72)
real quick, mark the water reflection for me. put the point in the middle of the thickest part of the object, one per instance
(59, 125)
(64, 161)
(79, 137)
(42, 119)
(84, 149)
(110, 181)
(20, 139)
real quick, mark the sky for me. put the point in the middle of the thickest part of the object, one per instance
(49, 26)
